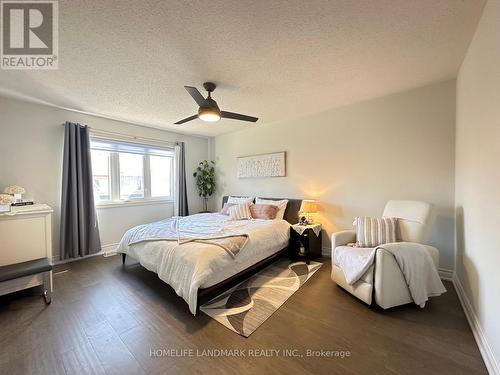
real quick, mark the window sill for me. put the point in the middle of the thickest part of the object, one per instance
(143, 202)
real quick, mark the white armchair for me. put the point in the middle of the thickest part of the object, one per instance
(384, 280)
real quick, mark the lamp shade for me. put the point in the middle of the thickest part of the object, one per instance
(308, 206)
(209, 114)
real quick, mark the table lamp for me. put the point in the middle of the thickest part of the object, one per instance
(307, 208)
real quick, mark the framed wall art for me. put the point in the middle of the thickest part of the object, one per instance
(263, 165)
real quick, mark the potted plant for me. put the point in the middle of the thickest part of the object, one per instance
(205, 181)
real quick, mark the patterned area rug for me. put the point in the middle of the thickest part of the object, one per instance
(246, 306)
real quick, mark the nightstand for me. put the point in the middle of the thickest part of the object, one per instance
(305, 241)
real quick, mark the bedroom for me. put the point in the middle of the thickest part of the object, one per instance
(362, 110)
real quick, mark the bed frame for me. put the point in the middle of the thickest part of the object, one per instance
(207, 294)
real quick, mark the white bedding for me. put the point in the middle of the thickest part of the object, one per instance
(190, 266)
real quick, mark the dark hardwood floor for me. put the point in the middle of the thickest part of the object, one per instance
(105, 319)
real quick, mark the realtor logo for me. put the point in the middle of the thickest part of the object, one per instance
(29, 37)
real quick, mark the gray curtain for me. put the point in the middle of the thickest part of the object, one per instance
(182, 208)
(79, 229)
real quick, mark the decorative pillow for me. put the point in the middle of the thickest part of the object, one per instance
(238, 200)
(225, 208)
(240, 212)
(264, 211)
(372, 232)
(280, 204)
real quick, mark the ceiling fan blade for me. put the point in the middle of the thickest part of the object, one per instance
(195, 94)
(186, 119)
(238, 116)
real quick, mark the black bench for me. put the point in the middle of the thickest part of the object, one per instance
(33, 267)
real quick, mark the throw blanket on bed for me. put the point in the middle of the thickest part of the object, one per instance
(412, 258)
(197, 228)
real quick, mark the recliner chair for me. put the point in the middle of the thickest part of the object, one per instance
(384, 279)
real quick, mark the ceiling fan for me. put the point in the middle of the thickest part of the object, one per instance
(208, 109)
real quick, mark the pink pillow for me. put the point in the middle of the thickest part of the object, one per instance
(264, 211)
(225, 208)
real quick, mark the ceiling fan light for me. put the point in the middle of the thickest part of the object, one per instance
(209, 114)
(209, 117)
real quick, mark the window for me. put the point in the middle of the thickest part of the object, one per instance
(101, 170)
(131, 176)
(130, 172)
(161, 170)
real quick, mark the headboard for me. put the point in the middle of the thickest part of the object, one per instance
(291, 212)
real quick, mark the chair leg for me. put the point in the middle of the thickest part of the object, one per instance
(123, 258)
(47, 289)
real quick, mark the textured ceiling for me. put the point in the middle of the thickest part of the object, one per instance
(275, 60)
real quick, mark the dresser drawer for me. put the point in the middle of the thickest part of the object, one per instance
(24, 238)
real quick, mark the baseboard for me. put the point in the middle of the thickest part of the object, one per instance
(446, 274)
(109, 250)
(478, 332)
(106, 251)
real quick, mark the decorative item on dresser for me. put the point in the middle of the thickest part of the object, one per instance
(26, 249)
(5, 202)
(305, 241)
(16, 191)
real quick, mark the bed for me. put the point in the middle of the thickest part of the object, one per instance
(199, 271)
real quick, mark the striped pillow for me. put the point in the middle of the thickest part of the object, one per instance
(239, 212)
(372, 232)
(225, 208)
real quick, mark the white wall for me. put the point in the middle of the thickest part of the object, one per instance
(355, 158)
(478, 176)
(31, 143)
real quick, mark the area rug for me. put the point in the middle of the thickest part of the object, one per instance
(246, 306)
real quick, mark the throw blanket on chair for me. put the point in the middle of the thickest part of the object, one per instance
(413, 259)
(197, 228)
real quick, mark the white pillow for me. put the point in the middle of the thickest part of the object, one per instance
(281, 206)
(240, 212)
(238, 200)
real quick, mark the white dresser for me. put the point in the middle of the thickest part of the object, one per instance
(25, 234)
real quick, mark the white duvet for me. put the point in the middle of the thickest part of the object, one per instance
(186, 267)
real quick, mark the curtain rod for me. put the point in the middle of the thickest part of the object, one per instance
(111, 133)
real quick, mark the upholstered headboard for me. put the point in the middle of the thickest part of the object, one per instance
(291, 212)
